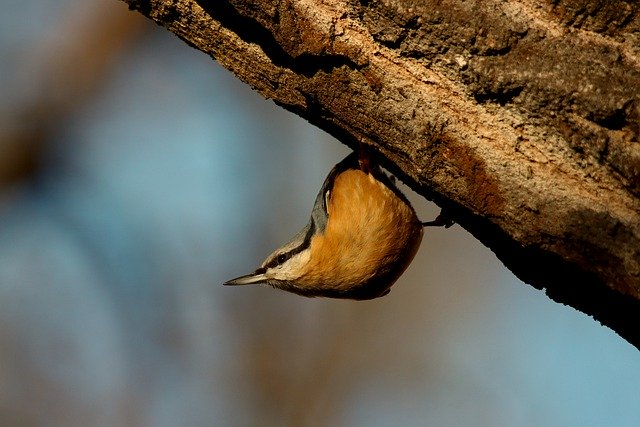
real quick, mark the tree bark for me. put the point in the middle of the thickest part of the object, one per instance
(520, 118)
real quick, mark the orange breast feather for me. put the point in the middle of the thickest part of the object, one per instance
(373, 236)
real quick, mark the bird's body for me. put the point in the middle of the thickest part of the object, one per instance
(362, 235)
(371, 237)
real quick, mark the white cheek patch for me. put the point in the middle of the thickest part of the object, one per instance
(290, 270)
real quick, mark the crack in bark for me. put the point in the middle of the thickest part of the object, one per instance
(251, 31)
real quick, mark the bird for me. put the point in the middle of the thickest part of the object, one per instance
(362, 235)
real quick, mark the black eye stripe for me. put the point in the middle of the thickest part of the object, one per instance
(271, 264)
(284, 257)
(281, 259)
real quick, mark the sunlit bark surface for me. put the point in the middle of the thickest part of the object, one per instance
(520, 118)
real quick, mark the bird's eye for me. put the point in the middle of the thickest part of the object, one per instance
(282, 258)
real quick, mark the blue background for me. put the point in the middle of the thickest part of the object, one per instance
(157, 177)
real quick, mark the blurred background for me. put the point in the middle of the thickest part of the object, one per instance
(137, 175)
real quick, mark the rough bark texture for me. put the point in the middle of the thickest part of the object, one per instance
(521, 118)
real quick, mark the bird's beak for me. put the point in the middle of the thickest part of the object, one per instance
(249, 279)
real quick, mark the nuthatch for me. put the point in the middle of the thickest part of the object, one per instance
(362, 235)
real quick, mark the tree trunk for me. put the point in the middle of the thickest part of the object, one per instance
(519, 118)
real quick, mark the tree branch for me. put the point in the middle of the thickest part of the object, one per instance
(520, 118)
